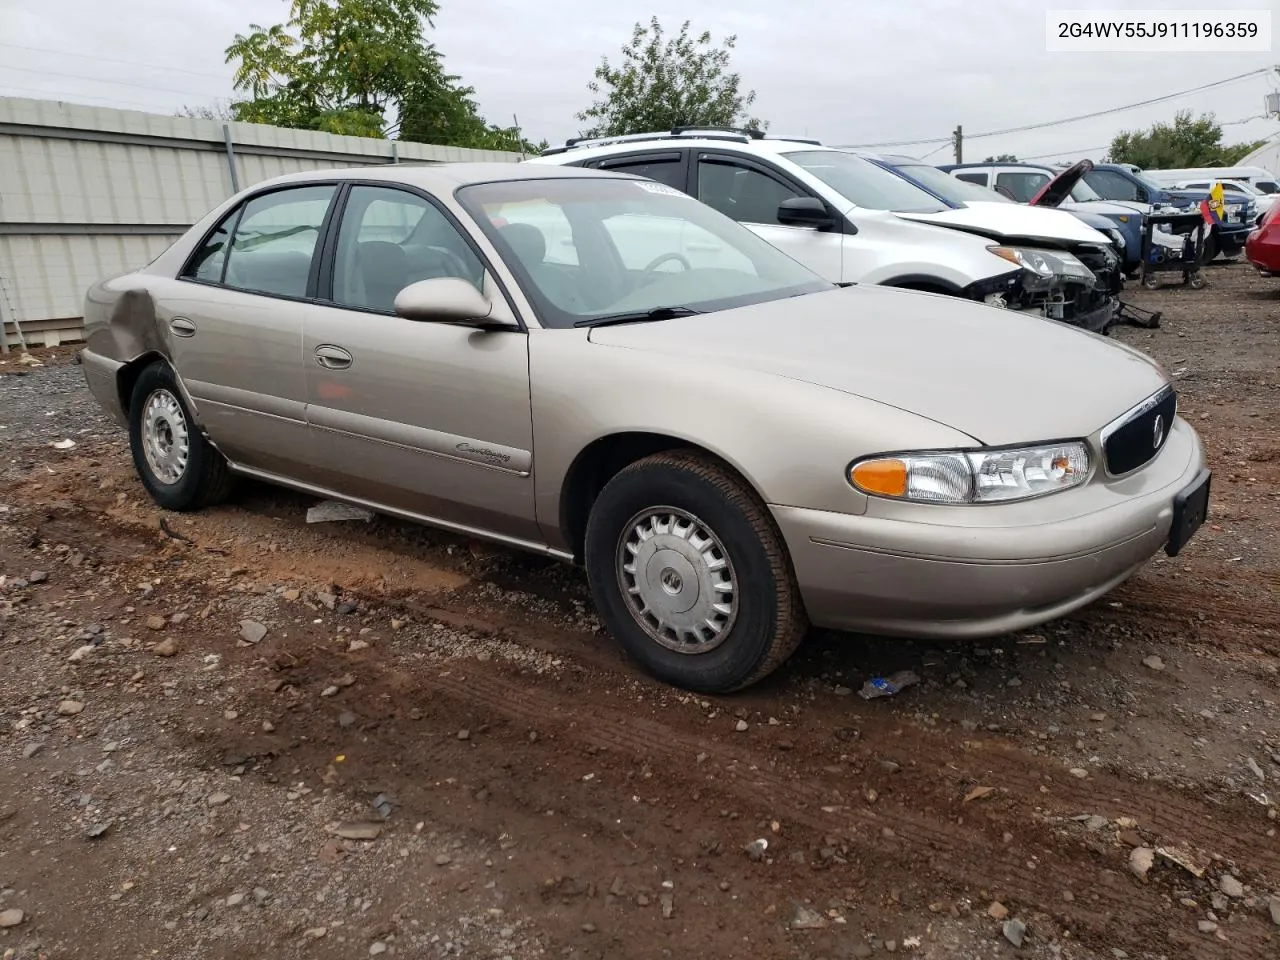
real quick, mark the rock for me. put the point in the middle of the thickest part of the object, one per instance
(97, 831)
(251, 631)
(346, 719)
(38, 576)
(329, 691)
(327, 600)
(741, 726)
(464, 734)
(291, 595)
(1207, 926)
(178, 619)
(398, 624)
(156, 622)
(11, 918)
(69, 708)
(1130, 838)
(1274, 907)
(315, 933)
(268, 726)
(217, 799)
(443, 860)
(357, 645)
(1141, 860)
(235, 900)
(168, 647)
(1095, 823)
(1256, 770)
(30, 750)
(1014, 930)
(588, 927)
(977, 793)
(79, 653)
(998, 911)
(1080, 773)
(347, 606)
(1232, 887)
(358, 830)
(1153, 663)
(377, 949)
(806, 919)
(756, 848)
(668, 902)
(261, 894)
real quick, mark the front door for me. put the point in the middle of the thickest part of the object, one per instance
(750, 193)
(235, 325)
(429, 418)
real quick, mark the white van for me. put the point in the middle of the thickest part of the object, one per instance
(1263, 180)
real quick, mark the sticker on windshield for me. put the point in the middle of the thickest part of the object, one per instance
(661, 188)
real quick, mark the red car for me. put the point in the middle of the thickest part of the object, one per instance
(1263, 246)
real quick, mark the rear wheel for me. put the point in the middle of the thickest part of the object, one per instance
(691, 575)
(180, 469)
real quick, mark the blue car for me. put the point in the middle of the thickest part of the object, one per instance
(1024, 183)
(1125, 183)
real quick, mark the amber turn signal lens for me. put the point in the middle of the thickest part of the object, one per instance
(886, 478)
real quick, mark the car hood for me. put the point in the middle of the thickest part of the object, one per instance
(999, 376)
(1059, 188)
(1013, 221)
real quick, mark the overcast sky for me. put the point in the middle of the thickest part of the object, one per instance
(858, 72)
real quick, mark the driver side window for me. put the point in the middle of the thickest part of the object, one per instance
(391, 238)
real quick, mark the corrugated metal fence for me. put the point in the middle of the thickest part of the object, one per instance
(87, 192)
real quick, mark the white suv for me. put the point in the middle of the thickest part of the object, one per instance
(850, 220)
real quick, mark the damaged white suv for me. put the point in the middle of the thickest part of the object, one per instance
(850, 220)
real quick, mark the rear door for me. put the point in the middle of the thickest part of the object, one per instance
(749, 191)
(236, 324)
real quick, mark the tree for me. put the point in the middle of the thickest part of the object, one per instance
(345, 66)
(1187, 142)
(668, 82)
(1002, 158)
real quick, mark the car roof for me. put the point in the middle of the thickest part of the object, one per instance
(440, 177)
(659, 141)
(1013, 164)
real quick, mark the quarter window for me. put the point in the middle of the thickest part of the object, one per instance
(390, 239)
(208, 261)
(978, 178)
(276, 239)
(742, 193)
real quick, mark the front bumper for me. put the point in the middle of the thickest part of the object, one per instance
(984, 570)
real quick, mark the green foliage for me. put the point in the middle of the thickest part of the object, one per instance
(1187, 142)
(668, 82)
(1002, 158)
(343, 66)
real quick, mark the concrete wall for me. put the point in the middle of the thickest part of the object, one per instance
(87, 192)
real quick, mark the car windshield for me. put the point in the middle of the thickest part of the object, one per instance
(863, 183)
(592, 249)
(949, 188)
(1149, 183)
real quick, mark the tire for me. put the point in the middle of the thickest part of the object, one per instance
(694, 496)
(200, 480)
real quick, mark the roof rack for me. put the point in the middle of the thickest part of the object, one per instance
(734, 134)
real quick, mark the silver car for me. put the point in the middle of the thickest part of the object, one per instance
(599, 368)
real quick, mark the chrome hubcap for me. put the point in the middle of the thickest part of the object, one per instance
(677, 579)
(166, 441)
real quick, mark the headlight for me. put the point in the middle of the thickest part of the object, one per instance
(977, 476)
(1044, 263)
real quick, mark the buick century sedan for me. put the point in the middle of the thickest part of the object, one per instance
(599, 368)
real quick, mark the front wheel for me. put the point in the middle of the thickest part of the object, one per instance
(180, 469)
(691, 575)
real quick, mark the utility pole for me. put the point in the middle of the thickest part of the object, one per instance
(957, 140)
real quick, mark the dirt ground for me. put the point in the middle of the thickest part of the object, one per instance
(434, 750)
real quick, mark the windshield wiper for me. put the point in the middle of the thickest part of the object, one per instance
(638, 316)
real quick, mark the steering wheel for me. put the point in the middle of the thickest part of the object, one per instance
(659, 260)
(456, 266)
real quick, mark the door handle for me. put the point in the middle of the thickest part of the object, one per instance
(332, 358)
(182, 327)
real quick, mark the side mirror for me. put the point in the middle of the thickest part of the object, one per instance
(805, 212)
(447, 300)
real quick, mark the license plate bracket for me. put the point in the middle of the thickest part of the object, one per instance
(1190, 508)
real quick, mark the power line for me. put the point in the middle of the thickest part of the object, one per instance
(118, 83)
(127, 63)
(1085, 116)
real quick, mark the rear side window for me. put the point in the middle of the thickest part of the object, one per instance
(209, 260)
(1267, 186)
(979, 178)
(668, 170)
(1023, 185)
(276, 239)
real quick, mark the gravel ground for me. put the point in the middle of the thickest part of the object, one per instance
(235, 734)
